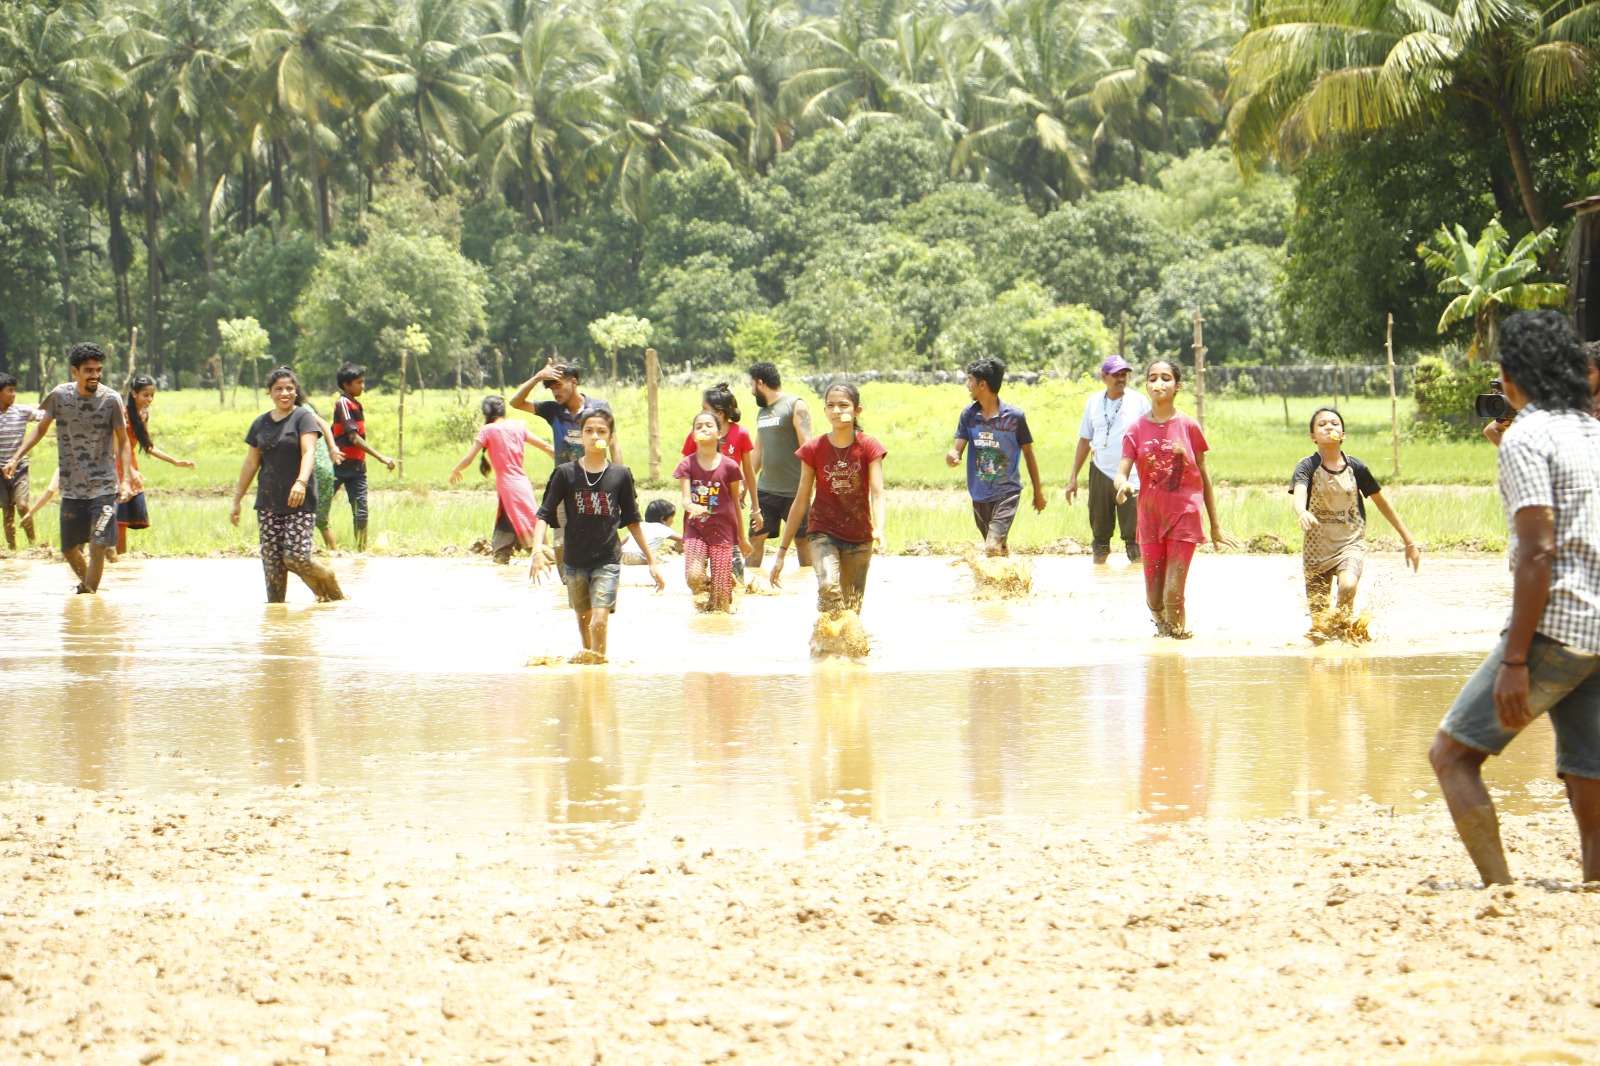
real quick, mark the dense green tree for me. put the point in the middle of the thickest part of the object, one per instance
(1234, 289)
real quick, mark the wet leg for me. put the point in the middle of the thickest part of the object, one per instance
(584, 618)
(802, 551)
(1583, 796)
(758, 551)
(1179, 558)
(853, 566)
(1154, 557)
(694, 564)
(1349, 582)
(297, 558)
(721, 577)
(599, 624)
(825, 552)
(272, 568)
(74, 558)
(11, 528)
(96, 567)
(357, 488)
(1460, 773)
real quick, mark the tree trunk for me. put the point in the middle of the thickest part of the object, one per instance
(63, 257)
(1519, 162)
(316, 188)
(152, 257)
(247, 182)
(275, 161)
(203, 191)
(117, 246)
(554, 221)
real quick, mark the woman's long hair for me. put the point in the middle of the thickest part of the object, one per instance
(720, 398)
(494, 409)
(141, 432)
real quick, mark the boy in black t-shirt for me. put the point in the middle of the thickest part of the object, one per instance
(592, 497)
(350, 432)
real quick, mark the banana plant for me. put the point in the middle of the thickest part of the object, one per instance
(1489, 282)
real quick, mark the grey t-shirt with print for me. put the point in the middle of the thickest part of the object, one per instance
(86, 439)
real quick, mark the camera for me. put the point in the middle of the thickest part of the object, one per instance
(1493, 404)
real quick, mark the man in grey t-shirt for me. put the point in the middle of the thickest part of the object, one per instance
(93, 447)
(782, 425)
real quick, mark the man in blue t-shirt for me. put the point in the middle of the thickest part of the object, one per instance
(562, 411)
(998, 433)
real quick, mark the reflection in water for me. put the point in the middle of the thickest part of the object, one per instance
(841, 751)
(1172, 774)
(96, 687)
(282, 711)
(591, 788)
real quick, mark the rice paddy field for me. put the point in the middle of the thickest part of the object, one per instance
(1444, 490)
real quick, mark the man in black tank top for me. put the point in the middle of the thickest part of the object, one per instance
(782, 426)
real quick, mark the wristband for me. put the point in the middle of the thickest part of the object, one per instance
(1507, 662)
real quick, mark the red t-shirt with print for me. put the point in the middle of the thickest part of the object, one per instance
(1170, 493)
(841, 507)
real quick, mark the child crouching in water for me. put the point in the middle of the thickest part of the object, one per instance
(599, 498)
(658, 533)
(1329, 488)
(713, 522)
(844, 468)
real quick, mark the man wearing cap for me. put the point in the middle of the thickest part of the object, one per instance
(562, 411)
(1106, 418)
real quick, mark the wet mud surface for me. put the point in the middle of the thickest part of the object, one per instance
(1018, 830)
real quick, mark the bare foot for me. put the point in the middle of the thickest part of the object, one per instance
(587, 658)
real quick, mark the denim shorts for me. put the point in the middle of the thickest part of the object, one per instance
(595, 587)
(89, 522)
(1563, 682)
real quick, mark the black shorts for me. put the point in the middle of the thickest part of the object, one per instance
(89, 522)
(994, 517)
(774, 513)
(134, 514)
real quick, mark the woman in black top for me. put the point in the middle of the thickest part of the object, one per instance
(283, 450)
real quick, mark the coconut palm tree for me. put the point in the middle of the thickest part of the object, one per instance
(1171, 65)
(314, 59)
(1311, 73)
(54, 82)
(1489, 281)
(752, 51)
(1040, 65)
(663, 113)
(441, 54)
(546, 109)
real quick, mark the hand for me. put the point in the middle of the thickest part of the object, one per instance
(877, 539)
(335, 454)
(388, 463)
(548, 372)
(1220, 540)
(777, 569)
(951, 457)
(187, 464)
(136, 480)
(10, 469)
(297, 494)
(757, 523)
(455, 476)
(536, 566)
(125, 492)
(233, 515)
(1413, 556)
(1511, 696)
(1072, 490)
(696, 510)
(1039, 502)
(745, 547)
(1123, 489)
(655, 575)
(1494, 431)
(1308, 521)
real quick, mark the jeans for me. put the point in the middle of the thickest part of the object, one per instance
(354, 484)
(841, 572)
(1106, 515)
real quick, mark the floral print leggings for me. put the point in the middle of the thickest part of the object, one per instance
(286, 546)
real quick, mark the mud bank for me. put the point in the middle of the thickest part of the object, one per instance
(292, 926)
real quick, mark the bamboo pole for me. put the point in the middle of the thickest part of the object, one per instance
(1394, 408)
(400, 432)
(652, 381)
(1199, 370)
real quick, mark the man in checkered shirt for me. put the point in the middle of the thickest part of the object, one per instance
(1548, 658)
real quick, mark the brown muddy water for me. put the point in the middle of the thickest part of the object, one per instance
(414, 697)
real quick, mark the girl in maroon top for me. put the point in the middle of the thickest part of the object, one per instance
(844, 468)
(1170, 451)
(733, 440)
(713, 518)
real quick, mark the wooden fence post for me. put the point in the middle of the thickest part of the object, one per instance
(652, 387)
(1199, 370)
(1394, 409)
(1122, 338)
(500, 369)
(400, 433)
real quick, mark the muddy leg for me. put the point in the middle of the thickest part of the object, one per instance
(853, 567)
(599, 622)
(1460, 773)
(318, 578)
(802, 551)
(584, 618)
(1173, 588)
(1583, 796)
(74, 558)
(1154, 557)
(11, 528)
(96, 567)
(825, 552)
(721, 578)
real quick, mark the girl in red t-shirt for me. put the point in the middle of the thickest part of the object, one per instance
(733, 440)
(1170, 451)
(713, 517)
(844, 468)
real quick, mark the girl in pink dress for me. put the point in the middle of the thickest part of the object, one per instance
(501, 442)
(713, 524)
(1170, 451)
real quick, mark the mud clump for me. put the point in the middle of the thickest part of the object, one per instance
(1267, 544)
(839, 635)
(998, 577)
(1341, 625)
(758, 583)
(587, 658)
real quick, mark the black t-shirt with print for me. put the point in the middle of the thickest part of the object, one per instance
(1366, 484)
(279, 444)
(597, 506)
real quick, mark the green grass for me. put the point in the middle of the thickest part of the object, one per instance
(1443, 492)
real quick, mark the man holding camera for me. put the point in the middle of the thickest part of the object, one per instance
(1548, 658)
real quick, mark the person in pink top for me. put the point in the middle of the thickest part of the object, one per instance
(713, 523)
(734, 441)
(501, 442)
(1170, 452)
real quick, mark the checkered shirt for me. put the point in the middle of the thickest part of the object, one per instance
(1552, 459)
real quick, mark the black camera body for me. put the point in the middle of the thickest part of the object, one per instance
(1493, 404)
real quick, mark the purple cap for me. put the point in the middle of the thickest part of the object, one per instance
(1114, 365)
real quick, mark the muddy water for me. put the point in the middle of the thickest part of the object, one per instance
(415, 695)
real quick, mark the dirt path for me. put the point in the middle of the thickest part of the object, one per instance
(288, 927)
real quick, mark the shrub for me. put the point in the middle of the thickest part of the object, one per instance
(1444, 390)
